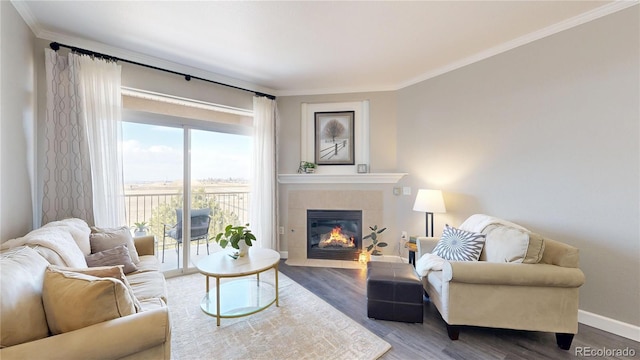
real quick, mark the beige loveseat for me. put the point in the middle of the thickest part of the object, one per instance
(521, 281)
(110, 318)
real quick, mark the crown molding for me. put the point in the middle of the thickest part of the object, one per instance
(610, 8)
(583, 18)
(526, 39)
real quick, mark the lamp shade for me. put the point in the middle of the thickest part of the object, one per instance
(430, 201)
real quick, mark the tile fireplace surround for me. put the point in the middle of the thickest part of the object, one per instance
(369, 201)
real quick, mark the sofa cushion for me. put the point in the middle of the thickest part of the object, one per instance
(148, 285)
(22, 315)
(459, 245)
(115, 272)
(107, 238)
(148, 263)
(74, 301)
(119, 255)
(511, 245)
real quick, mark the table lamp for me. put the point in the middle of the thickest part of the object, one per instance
(429, 201)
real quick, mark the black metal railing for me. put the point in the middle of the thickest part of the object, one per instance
(158, 209)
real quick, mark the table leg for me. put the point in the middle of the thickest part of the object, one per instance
(207, 277)
(218, 300)
(277, 295)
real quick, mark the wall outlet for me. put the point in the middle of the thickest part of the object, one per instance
(281, 230)
(404, 236)
(397, 191)
(406, 190)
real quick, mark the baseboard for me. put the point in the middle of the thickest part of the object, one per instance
(284, 254)
(613, 326)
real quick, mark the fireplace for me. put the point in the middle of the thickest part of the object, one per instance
(334, 234)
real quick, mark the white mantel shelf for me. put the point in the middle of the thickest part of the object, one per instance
(368, 178)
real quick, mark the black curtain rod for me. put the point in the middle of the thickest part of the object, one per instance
(56, 46)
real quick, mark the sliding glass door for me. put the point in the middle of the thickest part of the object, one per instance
(219, 181)
(163, 163)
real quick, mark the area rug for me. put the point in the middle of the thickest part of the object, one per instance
(302, 327)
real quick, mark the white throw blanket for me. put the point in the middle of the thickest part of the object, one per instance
(57, 239)
(478, 222)
(428, 262)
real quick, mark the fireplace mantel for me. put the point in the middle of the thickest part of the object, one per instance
(368, 178)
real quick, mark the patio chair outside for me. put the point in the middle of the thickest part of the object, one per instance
(200, 220)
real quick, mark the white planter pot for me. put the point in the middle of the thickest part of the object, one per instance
(139, 233)
(243, 248)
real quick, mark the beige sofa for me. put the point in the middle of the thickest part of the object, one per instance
(521, 281)
(34, 324)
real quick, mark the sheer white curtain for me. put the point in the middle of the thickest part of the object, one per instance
(83, 168)
(102, 104)
(263, 216)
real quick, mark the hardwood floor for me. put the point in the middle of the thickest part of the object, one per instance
(345, 289)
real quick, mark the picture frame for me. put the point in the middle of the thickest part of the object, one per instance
(334, 137)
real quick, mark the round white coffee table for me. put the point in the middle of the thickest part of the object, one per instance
(244, 296)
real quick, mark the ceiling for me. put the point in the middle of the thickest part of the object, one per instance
(308, 47)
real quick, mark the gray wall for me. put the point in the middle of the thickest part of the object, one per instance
(382, 134)
(545, 135)
(17, 121)
(382, 139)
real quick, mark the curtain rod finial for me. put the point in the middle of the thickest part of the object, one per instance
(54, 46)
(187, 77)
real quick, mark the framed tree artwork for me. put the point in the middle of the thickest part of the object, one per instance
(334, 138)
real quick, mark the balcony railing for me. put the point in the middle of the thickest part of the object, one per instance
(158, 209)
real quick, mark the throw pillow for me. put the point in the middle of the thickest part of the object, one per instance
(505, 244)
(104, 239)
(73, 301)
(535, 249)
(115, 272)
(459, 245)
(119, 255)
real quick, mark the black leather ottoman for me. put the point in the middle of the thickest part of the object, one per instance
(394, 292)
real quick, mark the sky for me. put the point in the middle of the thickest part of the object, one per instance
(154, 153)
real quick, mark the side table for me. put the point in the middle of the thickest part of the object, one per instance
(412, 247)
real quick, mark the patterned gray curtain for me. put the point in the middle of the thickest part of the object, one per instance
(67, 189)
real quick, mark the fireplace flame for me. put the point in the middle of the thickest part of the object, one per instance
(337, 238)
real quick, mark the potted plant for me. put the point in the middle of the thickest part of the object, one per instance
(307, 167)
(140, 229)
(240, 238)
(375, 242)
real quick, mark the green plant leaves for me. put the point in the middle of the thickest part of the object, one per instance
(233, 235)
(374, 237)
